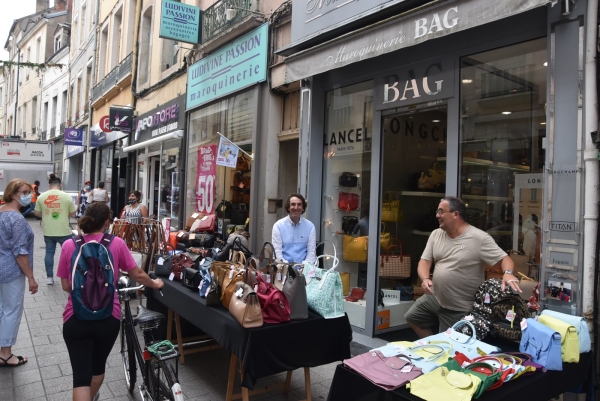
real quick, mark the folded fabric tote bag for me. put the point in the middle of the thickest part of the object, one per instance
(467, 344)
(445, 384)
(387, 373)
(569, 343)
(585, 343)
(324, 290)
(542, 343)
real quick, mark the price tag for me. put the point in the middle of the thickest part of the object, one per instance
(283, 281)
(202, 261)
(171, 276)
(192, 236)
(160, 261)
(523, 324)
(181, 276)
(486, 299)
(312, 273)
(207, 291)
(212, 274)
(468, 318)
(278, 276)
(181, 233)
(465, 364)
(510, 315)
(201, 282)
(406, 369)
(230, 273)
(239, 292)
(195, 215)
(256, 287)
(399, 349)
(448, 332)
(420, 342)
(204, 218)
(268, 278)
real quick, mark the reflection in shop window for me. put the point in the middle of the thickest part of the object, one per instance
(503, 95)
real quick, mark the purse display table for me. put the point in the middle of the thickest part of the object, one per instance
(266, 350)
(348, 385)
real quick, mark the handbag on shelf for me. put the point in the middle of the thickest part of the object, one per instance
(407, 292)
(242, 163)
(204, 240)
(345, 276)
(542, 343)
(191, 279)
(239, 216)
(223, 210)
(391, 208)
(388, 373)
(394, 263)
(569, 342)
(348, 224)
(356, 294)
(384, 238)
(180, 262)
(583, 332)
(294, 288)
(355, 249)
(348, 201)
(275, 306)
(348, 180)
(205, 224)
(245, 307)
(425, 181)
(324, 290)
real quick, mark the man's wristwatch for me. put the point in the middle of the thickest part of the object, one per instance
(507, 272)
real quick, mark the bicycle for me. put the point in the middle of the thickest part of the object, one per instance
(159, 378)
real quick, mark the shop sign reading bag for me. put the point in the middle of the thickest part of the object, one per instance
(542, 343)
(391, 209)
(324, 289)
(355, 249)
(569, 343)
(393, 263)
(348, 201)
(583, 332)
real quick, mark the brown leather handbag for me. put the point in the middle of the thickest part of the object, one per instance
(180, 262)
(245, 307)
(228, 286)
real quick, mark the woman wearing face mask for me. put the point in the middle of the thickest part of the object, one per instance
(82, 196)
(134, 212)
(16, 266)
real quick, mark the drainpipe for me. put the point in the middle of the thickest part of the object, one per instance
(17, 95)
(590, 163)
(88, 138)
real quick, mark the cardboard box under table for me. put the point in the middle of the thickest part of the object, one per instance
(312, 342)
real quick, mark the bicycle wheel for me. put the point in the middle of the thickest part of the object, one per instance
(128, 355)
(162, 381)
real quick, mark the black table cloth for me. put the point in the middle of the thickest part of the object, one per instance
(265, 350)
(348, 385)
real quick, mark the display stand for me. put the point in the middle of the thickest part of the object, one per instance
(188, 341)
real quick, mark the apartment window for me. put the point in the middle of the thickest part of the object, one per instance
(1, 97)
(103, 56)
(116, 38)
(24, 115)
(34, 122)
(54, 111)
(28, 60)
(71, 105)
(169, 52)
(57, 44)
(130, 23)
(75, 30)
(83, 27)
(45, 117)
(38, 47)
(63, 107)
(88, 78)
(78, 103)
(144, 66)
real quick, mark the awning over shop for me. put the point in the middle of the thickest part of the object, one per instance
(173, 135)
(402, 31)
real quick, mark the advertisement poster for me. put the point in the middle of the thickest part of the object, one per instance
(228, 153)
(120, 119)
(74, 136)
(206, 179)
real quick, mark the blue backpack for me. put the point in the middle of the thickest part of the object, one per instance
(92, 274)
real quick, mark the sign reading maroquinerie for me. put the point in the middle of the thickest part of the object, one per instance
(180, 22)
(438, 21)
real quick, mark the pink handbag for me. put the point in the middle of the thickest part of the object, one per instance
(387, 373)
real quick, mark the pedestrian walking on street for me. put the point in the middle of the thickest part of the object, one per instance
(16, 266)
(89, 342)
(99, 194)
(82, 198)
(35, 192)
(54, 207)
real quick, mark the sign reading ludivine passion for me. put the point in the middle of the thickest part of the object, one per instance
(179, 21)
(236, 66)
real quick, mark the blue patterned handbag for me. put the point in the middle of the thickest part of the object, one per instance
(324, 290)
(203, 270)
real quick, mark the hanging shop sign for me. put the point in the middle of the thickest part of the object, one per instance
(105, 124)
(228, 153)
(73, 136)
(241, 64)
(206, 179)
(440, 20)
(22, 151)
(120, 119)
(180, 22)
(160, 121)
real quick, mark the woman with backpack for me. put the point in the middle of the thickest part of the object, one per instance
(89, 342)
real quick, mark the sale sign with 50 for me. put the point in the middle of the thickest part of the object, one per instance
(206, 179)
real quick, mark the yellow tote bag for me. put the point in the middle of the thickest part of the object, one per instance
(569, 342)
(391, 209)
(355, 248)
(385, 237)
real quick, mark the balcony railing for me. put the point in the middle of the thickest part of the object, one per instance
(214, 19)
(52, 132)
(118, 74)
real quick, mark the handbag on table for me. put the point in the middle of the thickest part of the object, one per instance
(324, 290)
(245, 307)
(542, 343)
(213, 294)
(354, 249)
(580, 325)
(348, 201)
(204, 240)
(228, 286)
(274, 305)
(388, 373)
(391, 208)
(384, 238)
(467, 344)
(348, 180)
(180, 262)
(162, 265)
(191, 279)
(394, 263)
(294, 288)
(569, 342)
(445, 384)
(205, 280)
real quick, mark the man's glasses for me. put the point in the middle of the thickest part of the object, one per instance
(441, 212)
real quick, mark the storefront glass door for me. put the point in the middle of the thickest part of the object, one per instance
(413, 182)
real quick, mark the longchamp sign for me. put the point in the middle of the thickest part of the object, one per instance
(434, 22)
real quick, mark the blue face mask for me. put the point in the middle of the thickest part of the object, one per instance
(25, 200)
(89, 187)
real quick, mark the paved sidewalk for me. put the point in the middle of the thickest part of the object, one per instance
(48, 374)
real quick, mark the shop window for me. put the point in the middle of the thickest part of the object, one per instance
(347, 154)
(503, 95)
(208, 184)
(169, 185)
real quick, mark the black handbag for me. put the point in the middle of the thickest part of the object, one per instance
(213, 296)
(236, 245)
(348, 224)
(191, 279)
(239, 216)
(348, 180)
(223, 210)
(204, 240)
(162, 265)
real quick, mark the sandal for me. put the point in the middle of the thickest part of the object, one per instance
(5, 363)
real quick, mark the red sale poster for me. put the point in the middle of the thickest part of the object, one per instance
(206, 179)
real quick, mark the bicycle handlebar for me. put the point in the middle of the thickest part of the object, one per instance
(130, 289)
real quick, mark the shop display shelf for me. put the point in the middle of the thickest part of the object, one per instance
(417, 232)
(487, 198)
(470, 161)
(423, 193)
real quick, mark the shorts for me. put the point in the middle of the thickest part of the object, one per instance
(426, 312)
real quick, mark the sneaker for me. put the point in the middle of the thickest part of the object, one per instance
(50, 281)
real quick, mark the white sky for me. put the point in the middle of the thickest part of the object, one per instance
(12, 10)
